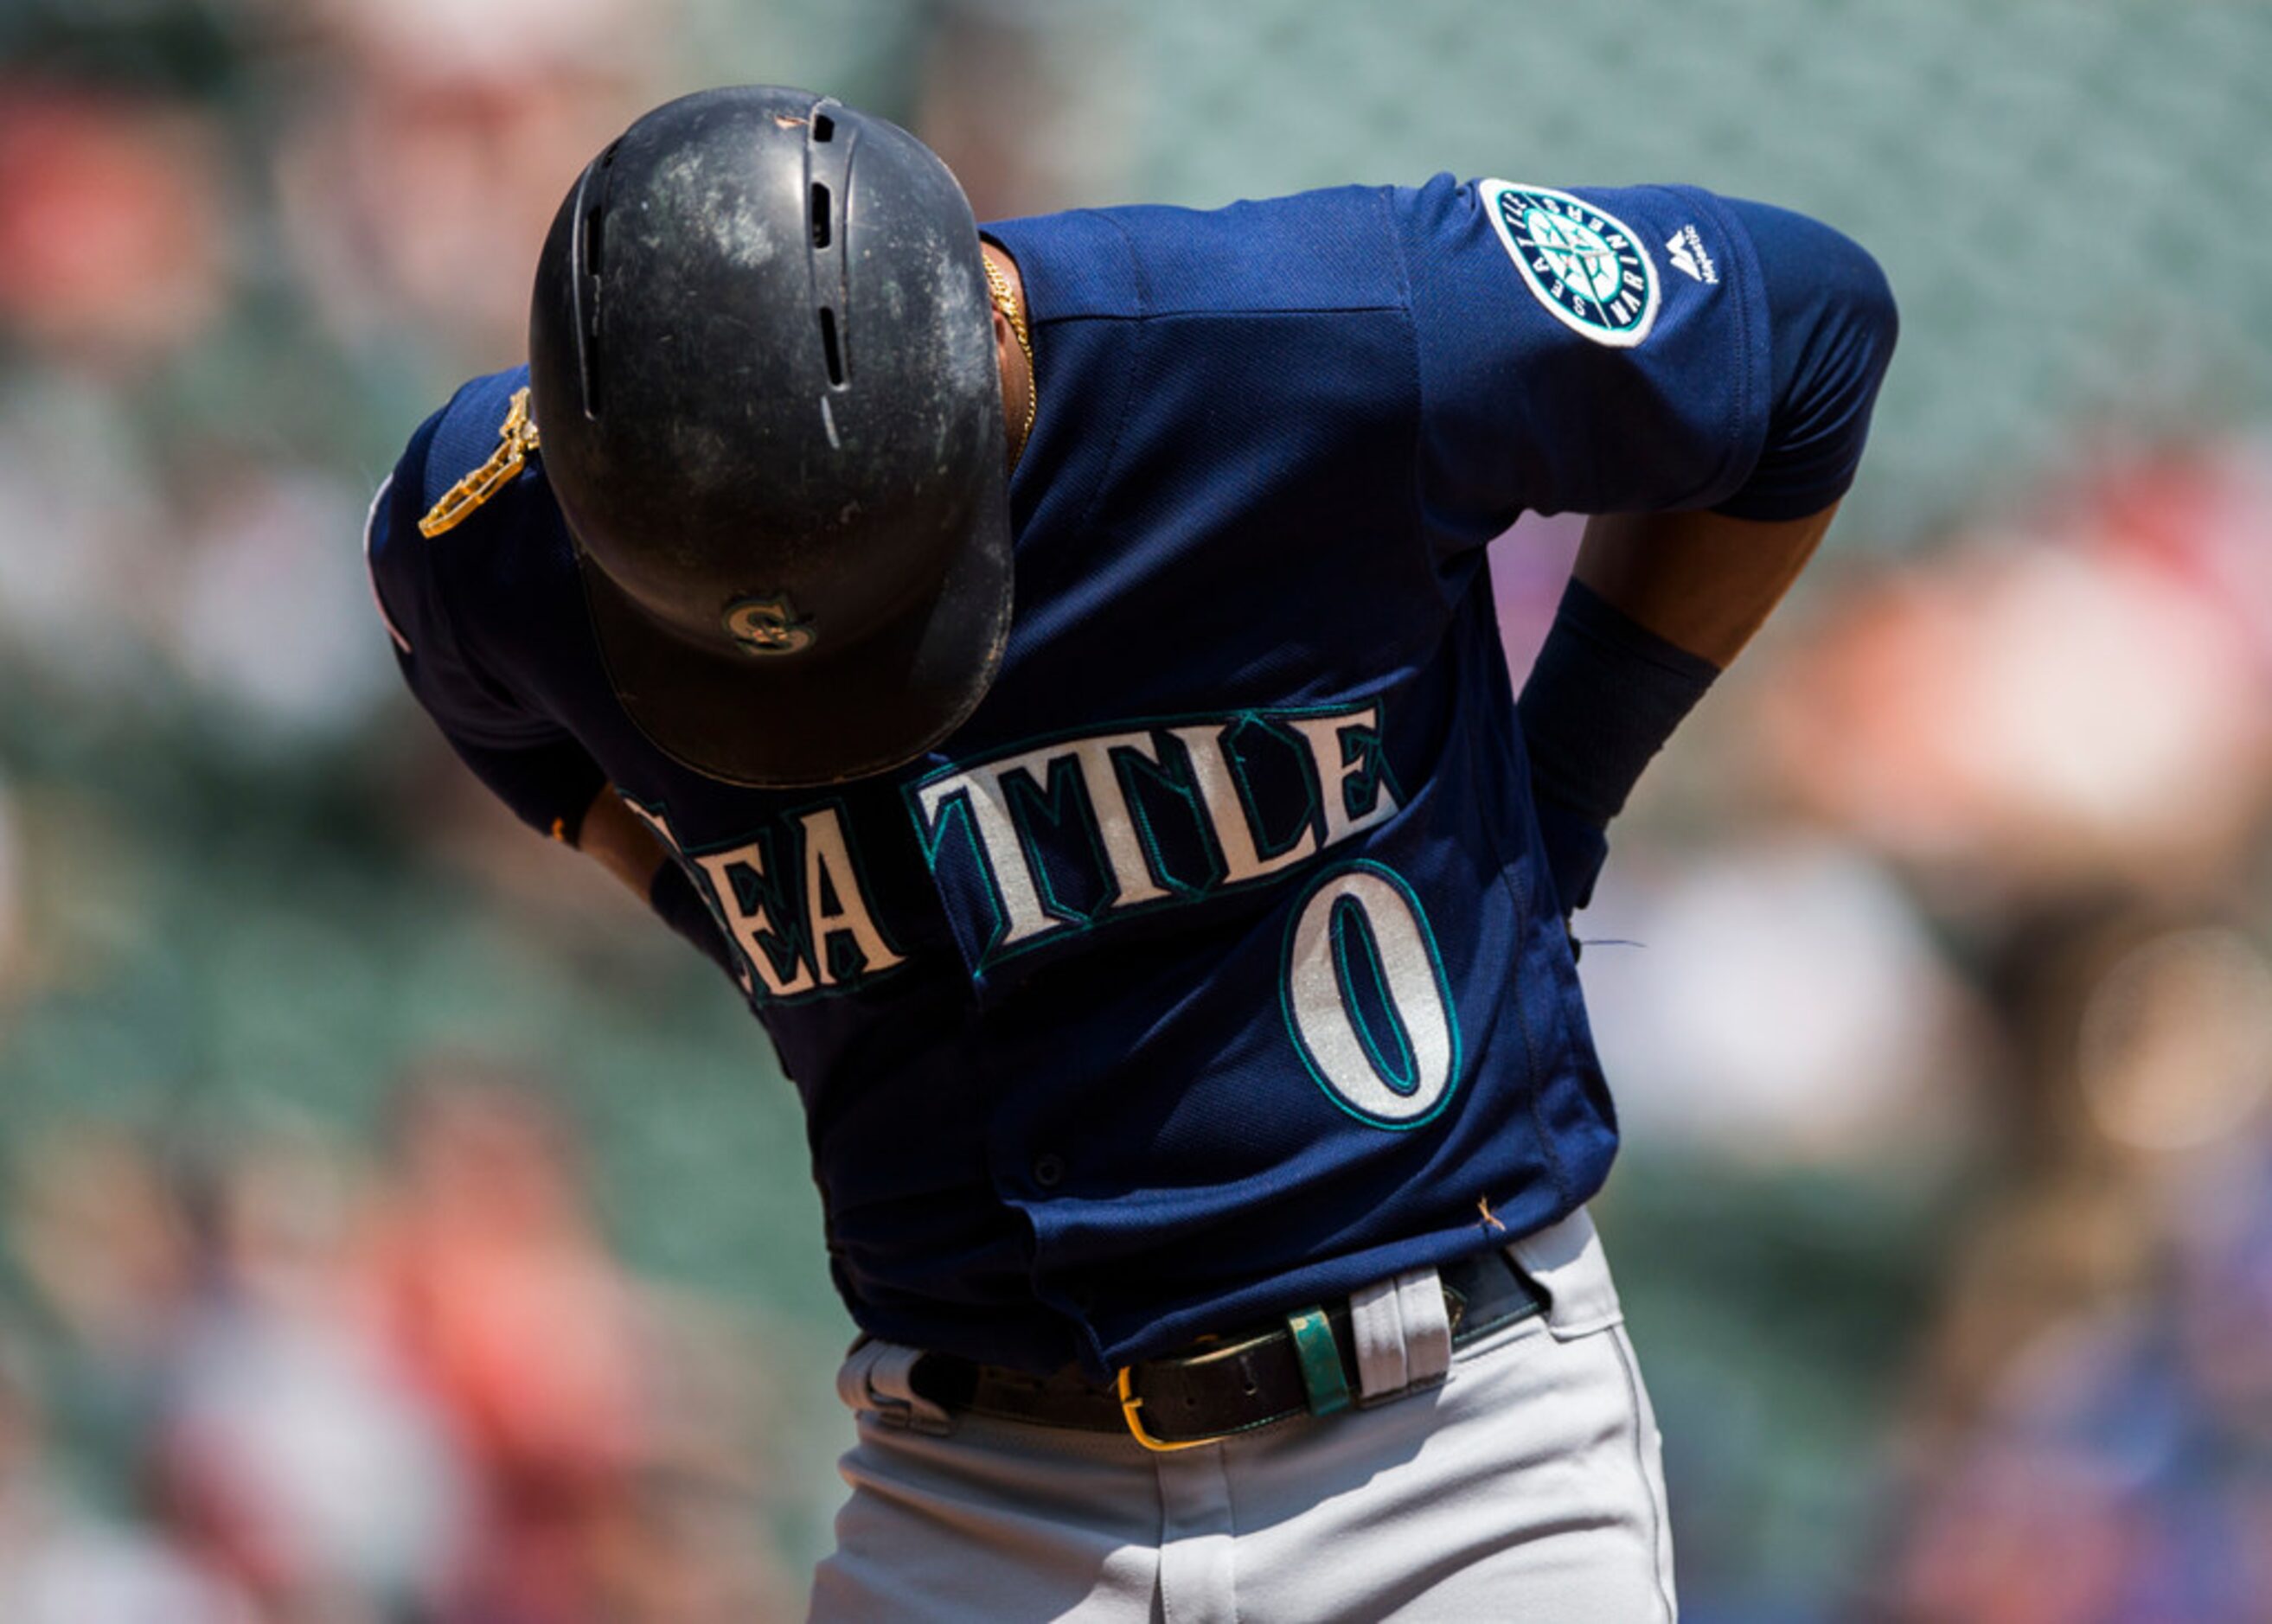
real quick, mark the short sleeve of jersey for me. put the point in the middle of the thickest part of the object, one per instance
(1601, 350)
(527, 758)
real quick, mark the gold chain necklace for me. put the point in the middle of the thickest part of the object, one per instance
(517, 438)
(1006, 299)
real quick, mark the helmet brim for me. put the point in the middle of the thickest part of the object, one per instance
(829, 713)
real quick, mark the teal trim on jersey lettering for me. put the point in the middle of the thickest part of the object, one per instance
(769, 889)
(1402, 1075)
(1443, 988)
(930, 836)
(1074, 921)
(869, 895)
(1311, 822)
(956, 811)
(1135, 724)
(1366, 741)
(1180, 787)
(1049, 800)
(930, 833)
(789, 921)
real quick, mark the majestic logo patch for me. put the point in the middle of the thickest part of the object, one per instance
(767, 625)
(1686, 249)
(1581, 262)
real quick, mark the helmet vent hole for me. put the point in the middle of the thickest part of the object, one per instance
(594, 225)
(819, 215)
(823, 127)
(829, 349)
(588, 308)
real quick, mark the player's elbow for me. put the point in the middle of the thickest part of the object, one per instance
(1873, 302)
(1857, 323)
(1834, 324)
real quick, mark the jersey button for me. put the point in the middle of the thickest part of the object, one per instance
(1049, 1170)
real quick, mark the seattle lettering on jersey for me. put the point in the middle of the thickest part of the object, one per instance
(1049, 840)
(793, 903)
(1046, 841)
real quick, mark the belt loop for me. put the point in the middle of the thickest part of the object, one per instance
(1566, 1261)
(877, 1378)
(1403, 1335)
(1427, 1327)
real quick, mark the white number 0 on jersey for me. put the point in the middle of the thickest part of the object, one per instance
(1366, 998)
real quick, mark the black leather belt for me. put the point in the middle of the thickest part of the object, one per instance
(1219, 1386)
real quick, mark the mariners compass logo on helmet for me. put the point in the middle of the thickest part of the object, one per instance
(1581, 262)
(768, 625)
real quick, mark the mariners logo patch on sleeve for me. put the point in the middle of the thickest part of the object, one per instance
(1583, 264)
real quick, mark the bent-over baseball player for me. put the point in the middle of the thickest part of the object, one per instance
(1052, 670)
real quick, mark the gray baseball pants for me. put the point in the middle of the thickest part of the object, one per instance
(1525, 1485)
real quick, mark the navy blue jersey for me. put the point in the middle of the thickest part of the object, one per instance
(1210, 968)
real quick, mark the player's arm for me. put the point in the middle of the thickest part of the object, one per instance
(552, 786)
(619, 842)
(611, 836)
(535, 766)
(1703, 582)
(1660, 603)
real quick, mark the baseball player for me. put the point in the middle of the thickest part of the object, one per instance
(1053, 671)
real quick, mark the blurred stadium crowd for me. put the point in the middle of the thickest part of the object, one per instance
(1931, 965)
(329, 1386)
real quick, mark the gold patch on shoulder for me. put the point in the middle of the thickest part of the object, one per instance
(516, 439)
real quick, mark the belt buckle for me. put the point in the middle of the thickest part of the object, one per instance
(1212, 1350)
(1324, 1388)
(1130, 1404)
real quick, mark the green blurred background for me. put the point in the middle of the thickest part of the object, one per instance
(362, 1149)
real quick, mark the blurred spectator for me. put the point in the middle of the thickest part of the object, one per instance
(295, 1452)
(113, 232)
(2174, 1045)
(272, 613)
(2015, 721)
(500, 41)
(432, 1395)
(2121, 1469)
(1029, 103)
(97, 1240)
(553, 1364)
(417, 190)
(12, 899)
(1778, 999)
(80, 522)
(2090, 1440)
(60, 1566)
(2198, 512)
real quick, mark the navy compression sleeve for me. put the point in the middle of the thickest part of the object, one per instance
(1602, 697)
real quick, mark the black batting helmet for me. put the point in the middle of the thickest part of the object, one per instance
(762, 356)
